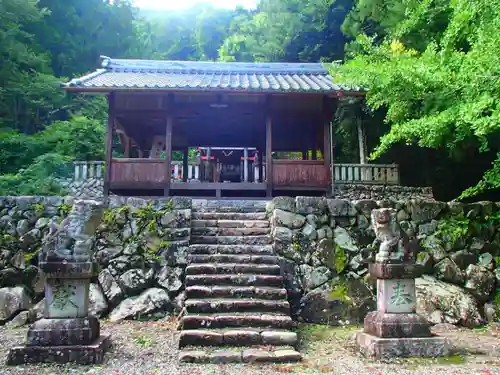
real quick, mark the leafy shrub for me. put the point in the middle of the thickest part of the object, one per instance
(42, 177)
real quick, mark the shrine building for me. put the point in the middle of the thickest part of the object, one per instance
(220, 129)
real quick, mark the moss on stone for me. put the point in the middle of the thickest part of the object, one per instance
(148, 219)
(38, 209)
(340, 291)
(340, 259)
(65, 209)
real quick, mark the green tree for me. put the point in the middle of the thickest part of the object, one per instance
(443, 96)
(288, 30)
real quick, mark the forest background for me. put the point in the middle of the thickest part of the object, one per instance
(432, 68)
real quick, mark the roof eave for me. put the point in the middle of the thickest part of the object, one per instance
(107, 90)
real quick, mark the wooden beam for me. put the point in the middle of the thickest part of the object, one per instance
(269, 155)
(168, 148)
(109, 146)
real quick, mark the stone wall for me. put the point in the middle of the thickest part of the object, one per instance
(377, 192)
(93, 188)
(321, 241)
(141, 246)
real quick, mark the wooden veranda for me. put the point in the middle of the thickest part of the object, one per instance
(234, 128)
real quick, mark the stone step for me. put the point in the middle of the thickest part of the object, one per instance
(239, 292)
(223, 268)
(240, 279)
(231, 249)
(228, 216)
(230, 232)
(237, 337)
(228, 258)
(231, 209)
(232, 240)
(230, 224)
(228, 305)
(255, 355)
(236, 320)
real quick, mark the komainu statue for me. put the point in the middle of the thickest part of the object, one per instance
(391, 241)
(71, 240)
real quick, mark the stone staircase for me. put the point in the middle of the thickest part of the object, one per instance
(236, 308)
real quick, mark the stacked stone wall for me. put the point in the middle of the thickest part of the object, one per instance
(321, 244)
(93, 188)
(141, 247)
(142, 250)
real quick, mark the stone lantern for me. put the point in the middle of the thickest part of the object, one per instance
(395, 329)
(66, 333)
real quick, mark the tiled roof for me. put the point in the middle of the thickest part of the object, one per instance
(148, 74)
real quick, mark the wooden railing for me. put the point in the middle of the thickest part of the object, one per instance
(85, 170)
(302, 172)
(380, 174)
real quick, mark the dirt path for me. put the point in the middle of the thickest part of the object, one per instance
(147, 348)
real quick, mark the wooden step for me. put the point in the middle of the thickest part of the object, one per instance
(240, 279)
(236, 355)
(232, 240)
(268, 293)
(223, 268)
(229, 305)
(236, 320)
(231, 249)
(237, 337)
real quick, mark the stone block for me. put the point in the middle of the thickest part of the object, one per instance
(69, 270)
(80, 354)
(385, 348)
(395, 271)
(67, 298)
(396, 296)
(396, 325)
(57, 332)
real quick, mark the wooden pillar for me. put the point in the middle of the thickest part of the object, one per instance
(245, 164)
(109, 145)
(269, 154)
(185, 165)
(168, 153)
(126, 152)
(361, 140)
(327, 118)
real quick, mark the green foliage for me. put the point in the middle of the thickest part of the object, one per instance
(38, 209)
(29, 256)
(143, 341)
(148, 218)
(39, 178)
(436, 74)
(340, 291)
(496, 303)
(340, 259)
(287, 30)
(65, 209)
(453, 228)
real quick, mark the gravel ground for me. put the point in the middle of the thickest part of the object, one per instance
(147, 348)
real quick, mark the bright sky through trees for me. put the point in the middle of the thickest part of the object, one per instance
(183, 4)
